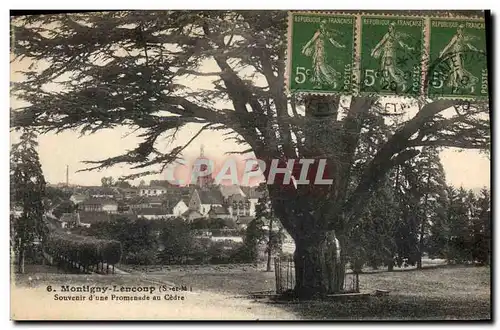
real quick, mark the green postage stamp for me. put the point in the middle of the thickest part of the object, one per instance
(375, 54)
(391, 55)
(457, 66)
(321, 53)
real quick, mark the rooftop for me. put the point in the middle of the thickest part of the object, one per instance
(99, 201)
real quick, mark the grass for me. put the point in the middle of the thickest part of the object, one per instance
(437, 292)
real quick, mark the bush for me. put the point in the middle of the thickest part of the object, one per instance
(223, 252)
(225, 232)
(141, 258)
(83, 249)
(177, 240)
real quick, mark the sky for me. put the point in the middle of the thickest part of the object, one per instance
(467, 168)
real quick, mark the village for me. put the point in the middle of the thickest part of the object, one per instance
(161, 200)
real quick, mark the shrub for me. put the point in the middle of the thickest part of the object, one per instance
(223, 252)
(144, 257)
(83, 249)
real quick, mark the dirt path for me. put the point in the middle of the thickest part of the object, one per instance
(38, 304)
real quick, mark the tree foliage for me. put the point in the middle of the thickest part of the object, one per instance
(27, 192)
(65, 206)
(138, 238)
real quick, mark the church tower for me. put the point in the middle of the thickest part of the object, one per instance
(207, 180)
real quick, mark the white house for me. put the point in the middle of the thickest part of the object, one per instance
(179, 208)
(203, 200)
(78, 198)
(152, 191)
(154, 213)
(99, 205)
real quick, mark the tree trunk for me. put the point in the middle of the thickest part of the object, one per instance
(422, 225)
(319, 265)
(269, 245)
(20, 261)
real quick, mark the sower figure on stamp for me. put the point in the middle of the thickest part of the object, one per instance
(386, 50)
(454, 50)
(323, 74)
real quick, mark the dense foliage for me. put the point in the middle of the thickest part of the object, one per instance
(172, 241)
(27, 193)
(84, 250)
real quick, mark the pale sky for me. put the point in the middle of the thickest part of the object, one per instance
(467, 168)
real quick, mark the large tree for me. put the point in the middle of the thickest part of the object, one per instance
(481, 228)
(130, 69)
(427, 185)
(27, 193)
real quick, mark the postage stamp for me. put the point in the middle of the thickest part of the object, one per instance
(458, 65)
(391, 55)
(321, 53)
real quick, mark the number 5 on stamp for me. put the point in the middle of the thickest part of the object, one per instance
(320, 53)
(458, 66)
(391, 55)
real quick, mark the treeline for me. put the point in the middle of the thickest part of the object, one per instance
(82, 252)
(172, 241)
(415, 213)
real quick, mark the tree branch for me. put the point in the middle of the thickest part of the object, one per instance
(383, 161)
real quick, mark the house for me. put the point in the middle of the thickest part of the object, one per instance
(138, 203)
(78, 198)
(242, 222)
(99, 205)
(128, 193)
(204, 199)
(238, 205)
(191, 215)
(219, 212)
(156, 201)
(102, 192)
(154, 213)
(179, 208)
(252, 194)
(152, 191)
(86, 218)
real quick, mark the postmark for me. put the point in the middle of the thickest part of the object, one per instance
(321, 53)
(457, 59)
(391, 49)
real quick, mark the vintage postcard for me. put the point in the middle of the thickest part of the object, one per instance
(250, 165)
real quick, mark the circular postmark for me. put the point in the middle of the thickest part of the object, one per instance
(460, 75)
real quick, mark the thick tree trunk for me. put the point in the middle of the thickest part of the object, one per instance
(319, 265)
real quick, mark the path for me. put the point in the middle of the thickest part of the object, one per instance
(37, 303)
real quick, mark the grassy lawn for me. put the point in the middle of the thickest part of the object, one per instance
(435, 292)
(229, 279)
(443, 293)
